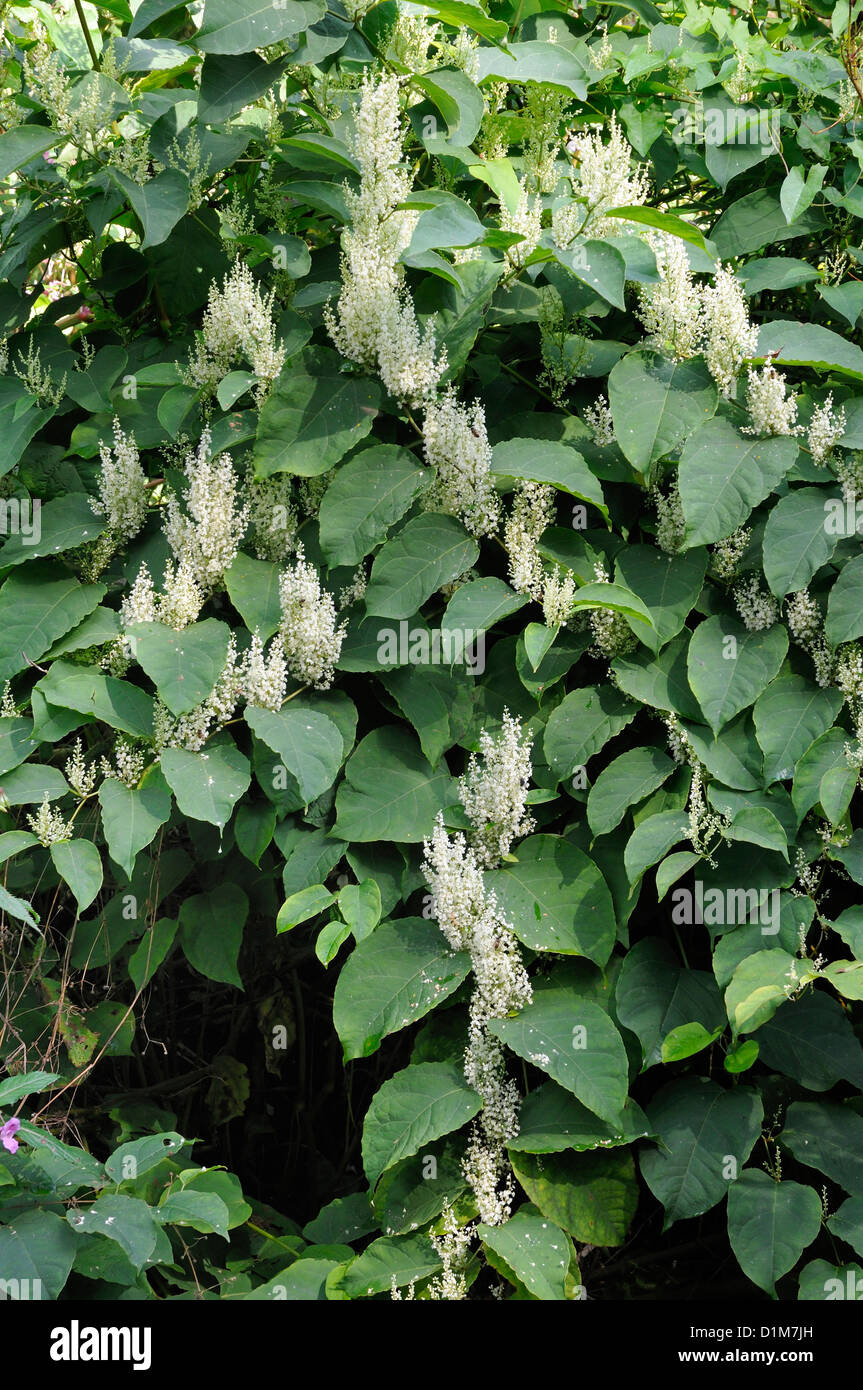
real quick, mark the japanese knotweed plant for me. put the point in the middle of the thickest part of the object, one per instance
(431, 608)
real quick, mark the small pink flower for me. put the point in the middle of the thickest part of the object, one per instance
(7, 1135)
(85, 313)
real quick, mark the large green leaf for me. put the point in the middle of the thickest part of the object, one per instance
(770, 1224)
(796, 540)
(183, 666)
(706, 1135)
(657, 403)
(36, 607)
(556, 899)
(39, 1249)
(79, 864)
(828, 1138)
(63, 524)
(810, 345)
(416, 1106)
(158, 204)
(368, 493)
(844, 620)
(127, 1220)
(392, 979)
(390, 791)
(550, 1119)
(789, 716)
(723, 474)
(729, 666)
(430, 551)
(544, 461)
(309, 745)
(582, 724)
(211, 932)
(86, 689)
(207, 785)
(131, 816)
(593, 1196)
(239, 26)
(575, 1042)
(313, 416)
(623, 783)
(253, 586)
(669, 586)
(536, 1251)
(811, 1040)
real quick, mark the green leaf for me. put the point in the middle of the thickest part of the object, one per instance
(299, 907)
(600, 266)
(368, 494)
(183, 666)
(389, 1258)
(232, 81)
(576, 1043)
(63, 524)
(239, 26)
(158, 204)
(393, 978)
(705, 1135)
(151, 951)
(314, 415)
(758, 987)
(390, 791)
(789, 716)
(811, 1040)
(309, 745)
(253, 587)
(657, 403)
(556, 899)
(651, 840)
(207, 785)
(796, 540)
(39, 1247)
(127, 1220)
(416, 1106)
(131, 816)
(37, 607)
(86, 689)
(131, 1161)
(770, 1224)
(847, 1223)
(203, 1211)
(844, 622)
(15, 1088)
(22, 144)
(253, 828)
(550, 1119)
(663, 221)
(799, 191)
(656, 995)
(809, 345)
(211, 932)
(468, 14)
(534, 1249)
(430, 551)
(729, 666)
(623, 783)
(544, 461)
(582, 724)
(360, 905)
(828, 1138)
(79, 864)
(457, 99)
(669, 586)
(723, 474)
(552, 64)
(593, 1196)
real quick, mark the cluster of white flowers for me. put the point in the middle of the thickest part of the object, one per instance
(612, 635)
(606, 178)
(356, 589)
(728, 553)
(683, 317)
(456, 446)
(729, 336)
(49, 826)
(704, 825)
(671, 310)
(470, 920)
(123, 495)
(598, 417)
(532, 511)
(238, 323)
(128, 764)
(374, 323)
(273, 516)
(81, 778)
(8, 707)
(208, 534)
(679, 745)
(493, 792)
(757, 607)
(849, 679)
(771, 409)
(451, 1245)
(411, 39)
(826, 428)
(558, 594)
(806, 627)
(264, 675)
(524, 221)
(310, 634)
(670, 521)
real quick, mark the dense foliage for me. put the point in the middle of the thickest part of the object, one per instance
(430, 623)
